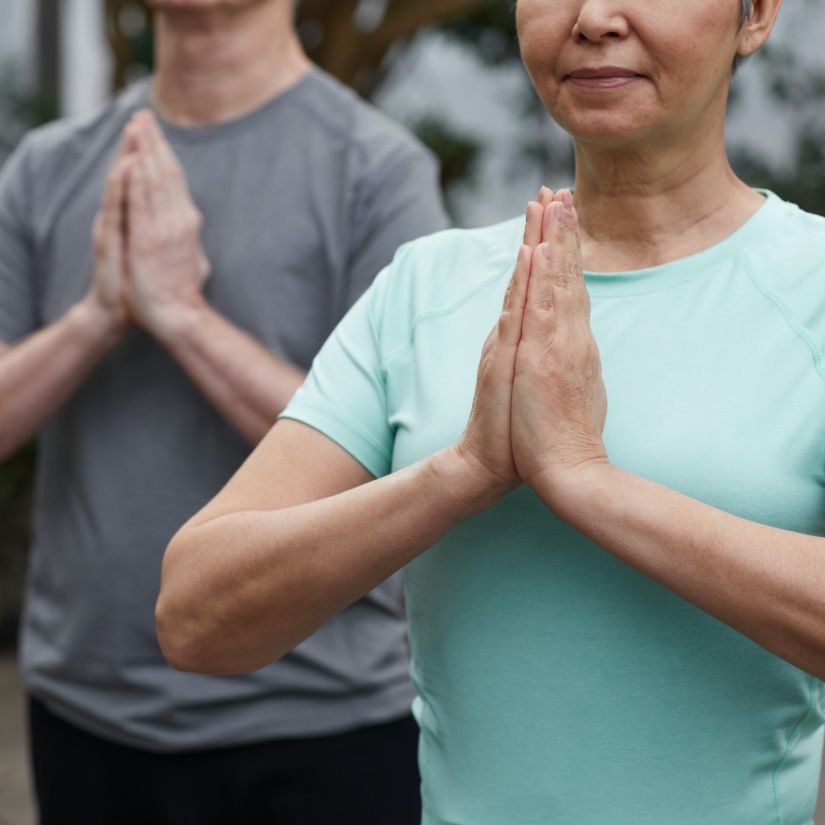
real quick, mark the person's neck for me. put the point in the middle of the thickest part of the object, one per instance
(652, 204)
(216, 66)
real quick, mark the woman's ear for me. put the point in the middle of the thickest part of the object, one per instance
(757, 26)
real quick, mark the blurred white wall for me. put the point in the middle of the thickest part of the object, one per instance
(85, 63)
(17, 31)
(86, 57)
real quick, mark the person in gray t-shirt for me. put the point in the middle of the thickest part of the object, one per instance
(237, 226)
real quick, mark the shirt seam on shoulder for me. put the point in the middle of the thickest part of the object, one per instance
(814, 688)
(430, 314)
(368, 189)
(31, 242)
(332, 127)
(795, 326)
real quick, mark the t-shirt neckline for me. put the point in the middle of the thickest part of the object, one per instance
(691, 267)
(211, 131)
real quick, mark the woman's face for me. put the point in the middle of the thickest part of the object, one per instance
(619, 71)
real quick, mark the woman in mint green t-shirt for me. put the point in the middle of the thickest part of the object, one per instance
(612, 529)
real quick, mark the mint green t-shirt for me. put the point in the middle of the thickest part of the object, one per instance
(556, 685)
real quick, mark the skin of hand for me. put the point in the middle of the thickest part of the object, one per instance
(108, 291)
(166, 262)
(485, 443)
(559, 403)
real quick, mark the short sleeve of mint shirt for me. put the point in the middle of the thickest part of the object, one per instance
(357, 392)
(351, 358)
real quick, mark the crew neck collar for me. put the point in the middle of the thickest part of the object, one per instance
(215, 130)
(691, 267)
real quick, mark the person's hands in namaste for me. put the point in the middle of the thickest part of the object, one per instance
(540, 403)
(166, 261)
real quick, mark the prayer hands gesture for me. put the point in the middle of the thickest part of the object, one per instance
(149, 262)
(540, 403)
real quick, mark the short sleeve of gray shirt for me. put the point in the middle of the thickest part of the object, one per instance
(18, 312)
(304, 200)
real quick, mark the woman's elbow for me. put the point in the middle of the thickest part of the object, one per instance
(195, 626)
(180, 621)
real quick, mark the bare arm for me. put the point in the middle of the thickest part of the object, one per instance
(302, 530)
(245, 382)
(39, 374)
(297, 535)
(767, 583)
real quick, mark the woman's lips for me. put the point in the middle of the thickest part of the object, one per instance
(606, 78)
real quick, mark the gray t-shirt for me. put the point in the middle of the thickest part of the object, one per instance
(305, 200)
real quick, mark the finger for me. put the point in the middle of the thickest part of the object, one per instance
(163, 151)
(139, 199)
(515, 298)
(129, 142)
(538, 323)
(150, 167)
(182, 210)
(562, 268)
(109, 220)
(564, 197)
(532, 226)
(175, 178)
(545, 195)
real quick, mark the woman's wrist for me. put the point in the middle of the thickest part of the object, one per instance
(571, 492)
(465, 480)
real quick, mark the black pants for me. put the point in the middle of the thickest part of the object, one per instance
(365, 777)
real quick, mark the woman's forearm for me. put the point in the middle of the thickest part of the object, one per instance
(767, 583)
(242, 589)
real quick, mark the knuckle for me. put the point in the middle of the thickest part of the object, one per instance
(98, 235)
(192, 221)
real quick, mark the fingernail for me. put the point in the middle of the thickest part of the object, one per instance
(543, 192)
(547, 251)
(567, 197)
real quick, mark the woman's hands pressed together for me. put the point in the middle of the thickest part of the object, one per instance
(559, 402)
(540, 403)
(486, 443)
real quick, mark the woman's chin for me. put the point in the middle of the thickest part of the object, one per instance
(608, 129)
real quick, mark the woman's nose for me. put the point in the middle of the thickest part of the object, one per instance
(599, 20)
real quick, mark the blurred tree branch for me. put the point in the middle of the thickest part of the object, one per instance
(354, 53)
(338, 35)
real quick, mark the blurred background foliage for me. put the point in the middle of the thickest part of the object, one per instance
(363, 42)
